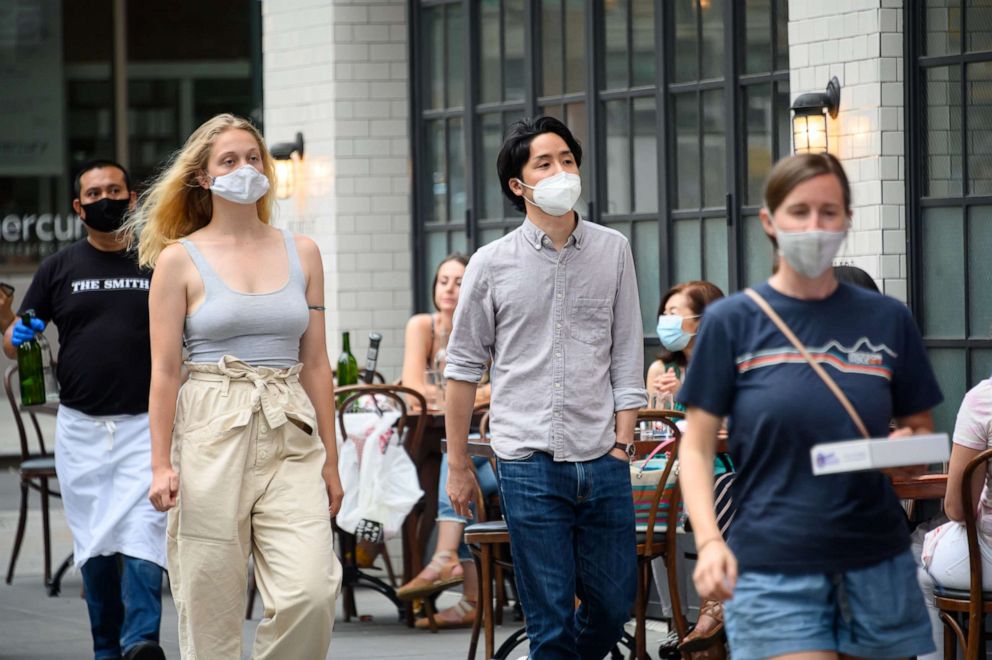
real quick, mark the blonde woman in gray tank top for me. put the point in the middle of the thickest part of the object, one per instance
(243, 453)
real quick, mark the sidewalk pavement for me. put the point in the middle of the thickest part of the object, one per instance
(34, 626)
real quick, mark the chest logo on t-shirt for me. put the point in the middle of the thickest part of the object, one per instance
(863, 357)
(110, 284)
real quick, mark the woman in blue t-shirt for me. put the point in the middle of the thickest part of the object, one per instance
(814, 566)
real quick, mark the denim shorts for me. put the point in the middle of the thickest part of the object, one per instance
(873, 612)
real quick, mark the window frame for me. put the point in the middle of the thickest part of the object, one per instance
(594, 97)
(916, 65)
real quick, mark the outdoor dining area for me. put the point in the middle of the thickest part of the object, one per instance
(417, 426)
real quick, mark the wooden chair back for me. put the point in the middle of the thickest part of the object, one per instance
(662, 499)
(397, 395)
(14, 399)
(976, 600)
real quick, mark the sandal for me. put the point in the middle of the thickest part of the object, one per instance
(697, 640)
(419, 587)
(463, 609)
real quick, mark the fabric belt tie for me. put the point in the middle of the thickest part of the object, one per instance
(268, 383)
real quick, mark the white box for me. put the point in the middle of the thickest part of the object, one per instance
(853, 455)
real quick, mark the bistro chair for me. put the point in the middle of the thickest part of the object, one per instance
(656, 537)
(36, 469)
(489, 541)
(974, 603)
(396, 397)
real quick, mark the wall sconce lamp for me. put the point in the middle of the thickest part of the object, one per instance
(287, 156)
(809, 122)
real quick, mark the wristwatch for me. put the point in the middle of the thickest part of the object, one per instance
(625, 447)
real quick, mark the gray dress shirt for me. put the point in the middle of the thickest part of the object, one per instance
(563, 330)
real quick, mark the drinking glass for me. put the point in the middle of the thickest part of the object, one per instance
(661, 401)
(435, 382)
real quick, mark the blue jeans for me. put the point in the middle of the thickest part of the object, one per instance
(124, 598)
(872, 612)
(572, 534)
(487, 480)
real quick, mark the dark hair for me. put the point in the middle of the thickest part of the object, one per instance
(700, 294)
(515, 152)
(97, 164)
(856, 276)
(454, 256)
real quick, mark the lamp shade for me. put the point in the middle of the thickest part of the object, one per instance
(809, 119)
(809, 133)
(285, 178)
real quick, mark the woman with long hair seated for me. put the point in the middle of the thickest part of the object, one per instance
(426, 338)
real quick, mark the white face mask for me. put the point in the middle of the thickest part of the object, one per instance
(245, 185)
(810, 253)
(557, 194)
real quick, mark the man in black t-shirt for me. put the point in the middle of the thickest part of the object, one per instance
(97, 296)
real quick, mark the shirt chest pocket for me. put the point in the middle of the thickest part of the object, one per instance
(591, 320)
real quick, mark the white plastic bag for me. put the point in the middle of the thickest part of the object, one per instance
(386, 488)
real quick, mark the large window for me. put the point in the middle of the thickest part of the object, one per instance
(681, 106)
(61, 109)
(949, 188)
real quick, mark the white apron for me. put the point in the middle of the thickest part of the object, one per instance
(104, 469)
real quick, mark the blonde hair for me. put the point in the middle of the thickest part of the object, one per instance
(176, 205)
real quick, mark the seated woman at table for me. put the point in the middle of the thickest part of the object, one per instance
(679, 315)
(678, 319)
(426, 338)
(945, 549)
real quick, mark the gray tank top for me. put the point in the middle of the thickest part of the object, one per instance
(262, 329)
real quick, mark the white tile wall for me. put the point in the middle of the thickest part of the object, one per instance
(337, 71)
(861, 42)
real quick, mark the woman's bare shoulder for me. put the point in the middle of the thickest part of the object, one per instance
(420, 323)
(173, 258)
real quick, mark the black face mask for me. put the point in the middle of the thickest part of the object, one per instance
(106, 215)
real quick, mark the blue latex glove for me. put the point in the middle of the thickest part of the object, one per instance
(22, 333)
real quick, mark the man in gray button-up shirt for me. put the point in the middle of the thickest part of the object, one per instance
(554, 305)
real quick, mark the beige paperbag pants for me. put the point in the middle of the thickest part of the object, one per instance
(249, 462)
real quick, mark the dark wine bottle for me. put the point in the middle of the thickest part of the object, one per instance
(347, 364)
(30, 368)
(371, 358)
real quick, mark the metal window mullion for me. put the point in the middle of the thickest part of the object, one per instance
(630, 44)
(643, 91)
(965, 225)
(630, 155)
(470, 133)
(596, 134)
(532, 55)
(416, 128)
(663, 129)
(489, 108)
(736, 164)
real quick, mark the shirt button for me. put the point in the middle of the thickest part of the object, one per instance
(557, 354)
(264, 428)
(559, 295)
(558, 325)
(557, 384)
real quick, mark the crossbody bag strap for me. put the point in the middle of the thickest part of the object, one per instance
(830, 383)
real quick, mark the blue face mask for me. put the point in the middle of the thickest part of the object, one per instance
(670, 332)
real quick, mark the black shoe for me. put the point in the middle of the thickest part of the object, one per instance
(145, 651)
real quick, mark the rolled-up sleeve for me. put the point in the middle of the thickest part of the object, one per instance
(627, 354)
(474, 327)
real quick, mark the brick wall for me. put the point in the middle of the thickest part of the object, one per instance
(861, 42)
(337, 71)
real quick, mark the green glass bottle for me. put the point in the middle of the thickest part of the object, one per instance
(347, 373)
(30, 368)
